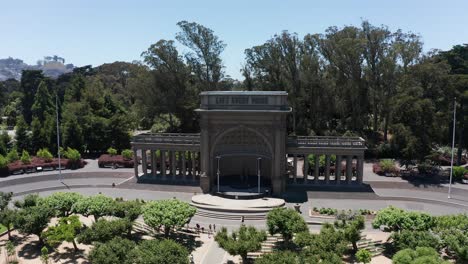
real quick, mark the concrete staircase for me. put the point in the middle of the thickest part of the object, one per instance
(230, 216)
(268, 246)
(374, 247)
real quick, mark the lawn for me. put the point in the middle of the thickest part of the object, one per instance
(2, 228)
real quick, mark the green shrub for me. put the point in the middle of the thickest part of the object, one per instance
(458, 172)
(412, 239)
(327, 211)
(72, 154)
(398, 219)
(127, 154)
(419, 256)
(387, 165)
(364, 256)
(25, 158)
(3, 162)
(44, 154)
(13, 156)
(112, 151)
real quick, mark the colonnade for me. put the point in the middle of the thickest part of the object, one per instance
(347, 169)
(173, 165)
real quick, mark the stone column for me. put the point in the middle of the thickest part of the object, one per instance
(184, 171)
(194, 167)
(135, 162)
(144, 161)
(163, 163)
(153, 163)
(306, 169)
(173, 164)
(317, 168)
(349, 168)
(338, 169)
(360, 169)
(295, 168)
(327, 169)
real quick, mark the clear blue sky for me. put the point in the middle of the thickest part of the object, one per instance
(99, 31)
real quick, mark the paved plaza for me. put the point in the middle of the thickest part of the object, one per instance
(382, 192)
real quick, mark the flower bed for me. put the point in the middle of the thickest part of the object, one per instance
(377, 169)
(443, 160)
(335, 213)
(17, 167)
(106, 160)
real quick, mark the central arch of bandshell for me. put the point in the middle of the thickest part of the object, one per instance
(239, 127)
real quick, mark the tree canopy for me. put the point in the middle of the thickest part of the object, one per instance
(241, 242)
(286, 222)
(168, 214)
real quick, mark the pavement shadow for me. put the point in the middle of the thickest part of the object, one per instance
(68, 255)
(426, 180)
(30, 250)
(151, 180)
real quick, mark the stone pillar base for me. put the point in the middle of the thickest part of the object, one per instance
(205, 183)
(277, 186)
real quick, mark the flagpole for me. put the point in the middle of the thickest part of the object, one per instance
(58, 139)
(453, 146)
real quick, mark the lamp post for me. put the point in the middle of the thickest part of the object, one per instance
(453, 146)
(259, 160)
(218, 172)
(58, 138)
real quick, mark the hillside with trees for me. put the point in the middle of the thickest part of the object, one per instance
(363, 80)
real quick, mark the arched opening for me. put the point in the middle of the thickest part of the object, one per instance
(240, 151)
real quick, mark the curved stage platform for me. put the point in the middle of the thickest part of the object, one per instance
(216, 203)
(231, 192)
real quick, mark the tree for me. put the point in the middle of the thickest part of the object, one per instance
(7, 219)
(113, 251)
(43, 103)
(5, 198)
(61, 202)
(66, 230)
(352, 231)
(104, 230)
(33, 220)
(159, 251)
(97, 206)
(130, 210)
(205, 61)
(241, 242)
(22, 135)
(412, 239)
(364, 256)
(419, 256)
(456, 241)
(30, 200)
(168, 214)
(328, 246)
(287, 222)
(30, 81)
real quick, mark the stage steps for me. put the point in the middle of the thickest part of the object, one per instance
(231, 216)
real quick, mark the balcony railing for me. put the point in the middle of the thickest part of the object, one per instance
(326, 142)
(168, 138)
